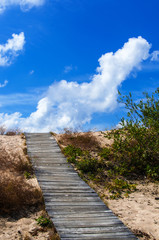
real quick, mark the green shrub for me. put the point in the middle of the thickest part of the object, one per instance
(105, 153)
(88, 164)
(72, 153)
(82, 159)
(135, 151)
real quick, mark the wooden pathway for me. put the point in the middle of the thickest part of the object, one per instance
(75, 209)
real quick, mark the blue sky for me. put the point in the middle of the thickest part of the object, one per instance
(57, 40)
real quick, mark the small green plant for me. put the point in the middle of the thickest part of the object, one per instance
(118, 186)
(27, 175)
(44, 221)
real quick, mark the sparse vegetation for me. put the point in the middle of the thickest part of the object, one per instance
(9, 132)
(118, 186)
(95, 169)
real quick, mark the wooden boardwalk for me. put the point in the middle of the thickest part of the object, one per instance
(75, 209)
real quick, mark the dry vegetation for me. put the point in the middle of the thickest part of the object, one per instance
(16, 192)
(21, 200)
(85, 141)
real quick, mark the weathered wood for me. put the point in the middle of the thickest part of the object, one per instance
(75, 208)
(93, 230)
(83, 194)
(97, 236)
(101, 238)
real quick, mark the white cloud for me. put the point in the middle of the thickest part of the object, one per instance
(31, 72)
(11, 49)
(70, 104)
(68, 69)
(155, 56)
(25, 5)
(3, 84)
(10, 121)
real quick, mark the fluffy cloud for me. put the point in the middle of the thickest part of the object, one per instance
(11, 49)
(70, 104)
(24, 4)
(3, 84)
(10, 121)
(155, 56)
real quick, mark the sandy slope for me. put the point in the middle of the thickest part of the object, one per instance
(140, 211)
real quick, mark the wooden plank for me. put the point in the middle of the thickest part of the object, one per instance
(91, 214)
(101, 238)
(52, 158)
(76, 191)
(82, 194)
(118, 229)
(51, 163)
(44, 173)
(74, 203)
(97, 238)
(43, 151)
(83, 221)
(71, 199)
(110, 222)
(60, 169)
(59, 179)
(77, 185)
(74, 209)
(99, 235)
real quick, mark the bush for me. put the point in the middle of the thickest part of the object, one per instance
(88, 164)
(72, 152)
(135, 151)
(82, 159)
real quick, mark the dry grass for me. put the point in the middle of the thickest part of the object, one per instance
(85, 141)
(16, 194)
(11, 132)
(8, 162)
(15, 191)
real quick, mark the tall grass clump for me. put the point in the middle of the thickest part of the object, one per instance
(16, 192)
